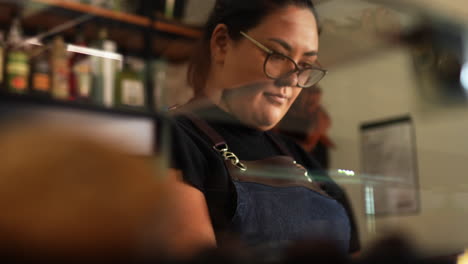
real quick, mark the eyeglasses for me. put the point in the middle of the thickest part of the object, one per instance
(278, 66)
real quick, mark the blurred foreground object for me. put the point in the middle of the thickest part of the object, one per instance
(463, 258)
(434, 32)
(437, 37)
(439, 50)
(65, 195)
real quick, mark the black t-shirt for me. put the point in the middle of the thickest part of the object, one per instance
(203, 167)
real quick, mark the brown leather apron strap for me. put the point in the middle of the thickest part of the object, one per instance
(220, 144)
(214, 136)
(314, 186)
(187, 111)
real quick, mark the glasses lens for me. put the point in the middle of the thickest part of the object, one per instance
(278, 66)
(308, 77)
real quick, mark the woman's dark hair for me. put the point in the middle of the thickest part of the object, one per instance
(237, 15)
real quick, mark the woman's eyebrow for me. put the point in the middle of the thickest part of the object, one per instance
(311, 53)
(283, 43)
(288, 47)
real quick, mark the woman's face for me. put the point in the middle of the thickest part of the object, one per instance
(249, 94)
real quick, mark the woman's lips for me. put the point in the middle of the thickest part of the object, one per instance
(277, 99)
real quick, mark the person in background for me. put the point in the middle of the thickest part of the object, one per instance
(236, 176)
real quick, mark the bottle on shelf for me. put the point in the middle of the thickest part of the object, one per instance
(40, 83)
(60, 70)
(130, 88)
(17, 60)
(104, 67)
(98, 3)
(170, 9)
(117, 5)
(80, 73)
(129, 6)
(40, 79)
(126, 6)
(108, 4)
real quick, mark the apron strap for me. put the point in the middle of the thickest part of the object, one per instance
(220, 144)
(202, 125)
(214, 136)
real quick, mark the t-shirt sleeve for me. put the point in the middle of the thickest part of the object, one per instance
(180, 146)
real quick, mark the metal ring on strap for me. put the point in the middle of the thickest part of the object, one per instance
(223, 149)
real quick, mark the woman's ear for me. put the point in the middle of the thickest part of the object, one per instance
(219, 43)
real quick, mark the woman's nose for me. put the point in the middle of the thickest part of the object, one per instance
(289, 79)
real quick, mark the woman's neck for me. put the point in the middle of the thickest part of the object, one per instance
(213, 91)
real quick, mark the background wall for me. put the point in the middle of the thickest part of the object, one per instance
(382, 86)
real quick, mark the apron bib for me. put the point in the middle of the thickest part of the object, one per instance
(277, 201)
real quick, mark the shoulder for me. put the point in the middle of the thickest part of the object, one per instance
(188, 151)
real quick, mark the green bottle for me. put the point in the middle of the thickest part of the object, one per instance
(130, 88)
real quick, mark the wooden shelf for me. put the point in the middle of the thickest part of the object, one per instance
(171, 39)
(162, 26)
(110, 125)
(97, 11)
(26, 99)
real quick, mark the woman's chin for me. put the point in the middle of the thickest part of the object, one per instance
(269, 121)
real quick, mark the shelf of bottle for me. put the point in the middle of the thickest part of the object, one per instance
(166, 26)
(11, 99)
(98, 11)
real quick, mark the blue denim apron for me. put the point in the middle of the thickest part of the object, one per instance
(277, 201)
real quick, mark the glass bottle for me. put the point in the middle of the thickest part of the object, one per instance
(104, 68)
(40, 83)
(60, 70)
(130, 89)
(80, 73)
(17, 61)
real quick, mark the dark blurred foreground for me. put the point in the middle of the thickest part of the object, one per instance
(387, 251)
(68, 198)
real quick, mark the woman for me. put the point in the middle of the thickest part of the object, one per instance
(255, 58)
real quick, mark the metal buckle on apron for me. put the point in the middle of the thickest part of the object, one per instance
(306, 174)
(228, 155)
